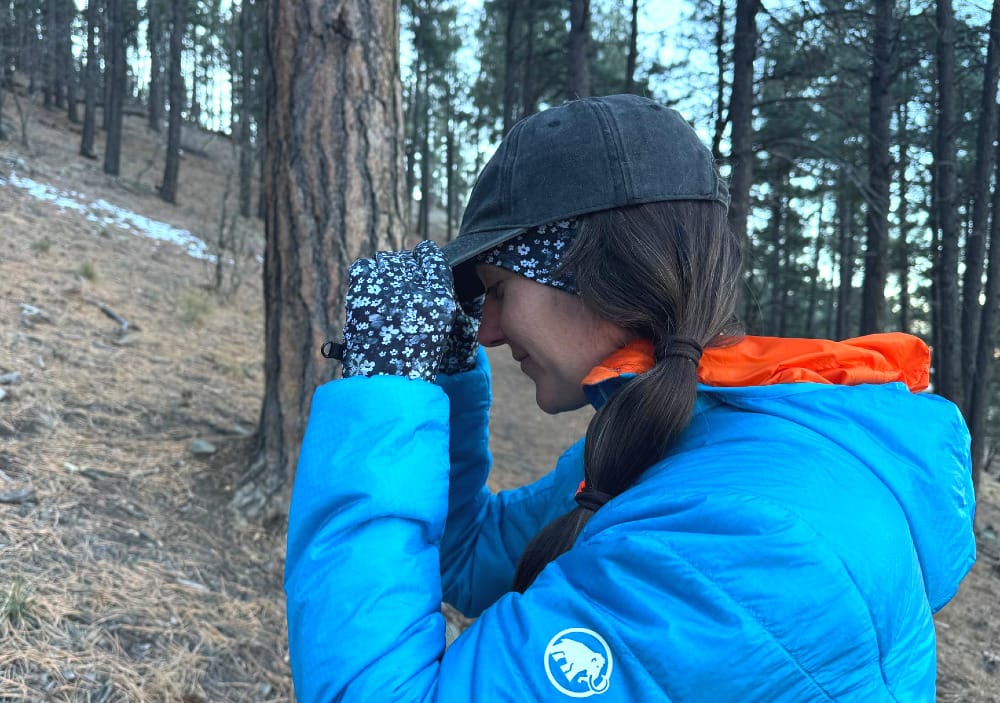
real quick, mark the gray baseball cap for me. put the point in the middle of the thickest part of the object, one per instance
(581, 157)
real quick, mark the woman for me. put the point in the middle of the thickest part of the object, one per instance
(747, 519)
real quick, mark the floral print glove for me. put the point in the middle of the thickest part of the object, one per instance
(463, 342)
(400, 313)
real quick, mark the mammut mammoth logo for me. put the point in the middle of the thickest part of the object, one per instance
(578, 662)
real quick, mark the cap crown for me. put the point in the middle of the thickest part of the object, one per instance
(585, 156)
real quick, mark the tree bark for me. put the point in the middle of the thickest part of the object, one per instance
(171, 169)
(116, 76)
(879, 171)
(335, 161)
(90, 79)
(948, 365)
(975, 246)
(578, 73)
(741, 114)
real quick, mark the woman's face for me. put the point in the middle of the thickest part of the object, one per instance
(552, 333)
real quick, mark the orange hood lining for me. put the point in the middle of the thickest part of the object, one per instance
(762, 361)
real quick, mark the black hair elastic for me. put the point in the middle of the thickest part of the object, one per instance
(684, 347)
(591, 498)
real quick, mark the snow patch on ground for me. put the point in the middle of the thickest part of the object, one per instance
(105, 213)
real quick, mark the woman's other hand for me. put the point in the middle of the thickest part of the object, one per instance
(463, 342)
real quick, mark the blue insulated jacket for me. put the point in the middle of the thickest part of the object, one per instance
(792, 547)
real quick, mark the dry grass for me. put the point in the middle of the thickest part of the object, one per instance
(124, 577)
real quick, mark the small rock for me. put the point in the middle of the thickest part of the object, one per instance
(125, 341)
(201, 447)
(23, 495)
(3, 394)
(30, 313)
(72, 468)
(12, 378)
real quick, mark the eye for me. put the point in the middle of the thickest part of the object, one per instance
(495, 291)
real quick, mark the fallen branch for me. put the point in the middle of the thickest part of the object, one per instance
(125, 325)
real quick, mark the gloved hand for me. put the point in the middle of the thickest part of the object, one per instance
(463, 342)
(400, 312)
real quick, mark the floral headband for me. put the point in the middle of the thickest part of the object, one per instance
(536, 254)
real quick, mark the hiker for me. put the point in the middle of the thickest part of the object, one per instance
(746, 519)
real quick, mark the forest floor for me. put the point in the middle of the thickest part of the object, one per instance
(123, 575)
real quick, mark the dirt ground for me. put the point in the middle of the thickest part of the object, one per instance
(122, 575)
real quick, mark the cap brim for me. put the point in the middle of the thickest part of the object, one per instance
(463, 248)
(466, 247)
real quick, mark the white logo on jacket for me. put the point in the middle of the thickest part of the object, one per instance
(578, 662)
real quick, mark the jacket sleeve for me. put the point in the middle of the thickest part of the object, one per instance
(486, 533)
(362, 572)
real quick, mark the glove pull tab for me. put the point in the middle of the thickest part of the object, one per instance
(333, 350)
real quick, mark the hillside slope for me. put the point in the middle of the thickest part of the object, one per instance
(122, 575)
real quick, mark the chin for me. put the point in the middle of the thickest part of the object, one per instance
(555, 403)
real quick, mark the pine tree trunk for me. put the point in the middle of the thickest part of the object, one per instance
(91, 77)
(154, 41)
(845, 241)
(424, 212)
(334, 183)
(578, 73)
(50, 96)
(975, 246)
(986, 360)
(69, 77)
(528, 99)
(773, 268)
(172, 166)
(902, 212)
(813, 302)
(741, 114)
(720, 80)
(246, 65)
(116, 76)
(633, 48)
(106, 54)
(509, 65)
(949, 358)
(449, 163)
(879, 172)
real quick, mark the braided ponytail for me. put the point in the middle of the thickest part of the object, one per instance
(668, 272)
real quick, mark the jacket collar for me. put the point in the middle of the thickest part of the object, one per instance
(763, 361)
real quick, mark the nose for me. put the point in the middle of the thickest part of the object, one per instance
(490, 332)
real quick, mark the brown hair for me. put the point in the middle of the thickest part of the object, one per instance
(660, 270)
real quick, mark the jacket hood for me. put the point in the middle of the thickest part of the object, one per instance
(763, 361)
(863, 395)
